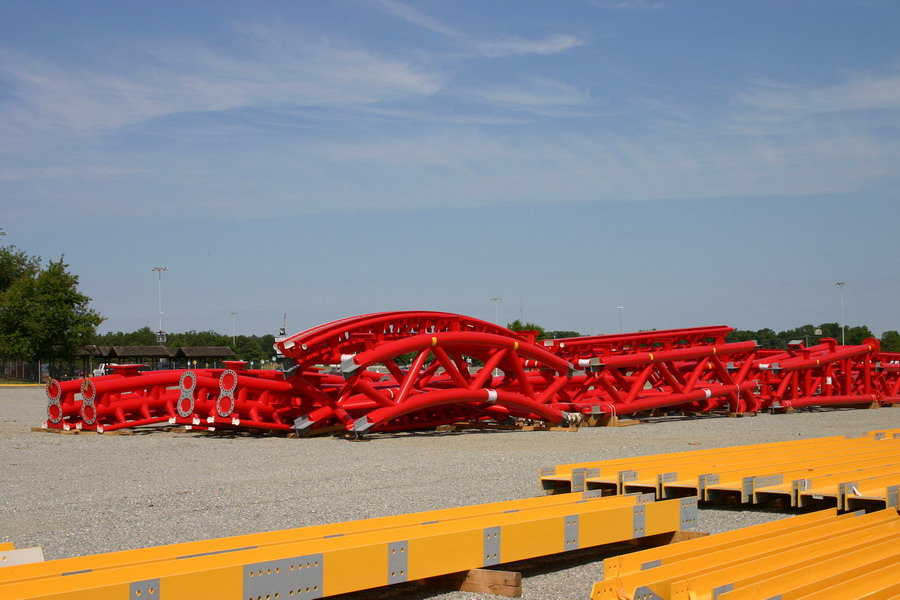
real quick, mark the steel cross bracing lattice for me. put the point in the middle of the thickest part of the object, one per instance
(415, 370)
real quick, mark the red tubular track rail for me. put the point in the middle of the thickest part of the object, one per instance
(404, 370)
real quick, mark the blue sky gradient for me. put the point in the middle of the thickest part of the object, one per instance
(695, 162)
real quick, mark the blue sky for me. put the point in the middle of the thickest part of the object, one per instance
(698, 163)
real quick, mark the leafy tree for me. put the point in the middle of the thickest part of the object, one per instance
(518, 325)
(890, 341)
(856, 335)
(15, 264)
(555, 335)
(43, 316)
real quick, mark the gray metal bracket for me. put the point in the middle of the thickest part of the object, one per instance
(398, 562)
(285, 578)
(491, 546)
(571, 533)
(148, 588)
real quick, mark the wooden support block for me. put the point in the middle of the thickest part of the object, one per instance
(483, 581)
(672, 537)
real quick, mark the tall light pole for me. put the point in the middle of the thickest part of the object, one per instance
(620, 317)
(233, 337)
(496, 302)
(841, 285)
(159, 271)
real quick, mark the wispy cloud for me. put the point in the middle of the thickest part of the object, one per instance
(95, 172)
(142, 81)
(536, 93)
(552, 44)
(861, 92)
(490, 47)
(627, 4)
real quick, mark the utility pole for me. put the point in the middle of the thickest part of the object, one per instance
(841, 285)
(161, 335)
(233, 337)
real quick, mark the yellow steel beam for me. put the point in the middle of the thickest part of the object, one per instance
(766, 471)
(322, 567)
(566, 477)
(883, 490)
(818, 555)
(884, 433)
(782, 577)
(661, 475)
(635, 562)
(743, 474)
(745, 479)
(256, 540)
(825, 483)
(744, 558)
(877, 577)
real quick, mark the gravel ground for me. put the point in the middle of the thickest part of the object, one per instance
(87, 494)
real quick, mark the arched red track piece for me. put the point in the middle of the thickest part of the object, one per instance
(402, 370)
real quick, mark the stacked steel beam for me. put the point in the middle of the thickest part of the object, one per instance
(414, 370)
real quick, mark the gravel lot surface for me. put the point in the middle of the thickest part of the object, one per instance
(87, 494)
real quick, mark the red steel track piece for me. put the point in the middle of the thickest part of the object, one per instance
(397, 371)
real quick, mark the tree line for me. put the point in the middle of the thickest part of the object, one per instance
(766, 338)
(45, 318)
(256, 348)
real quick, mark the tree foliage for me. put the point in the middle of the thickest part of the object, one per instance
(518, 325)
(256, 348)
(768, 338)
(43, 316)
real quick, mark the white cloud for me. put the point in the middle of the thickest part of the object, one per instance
(864, 92)
(489, 47)
(138, 82)
(537, 93)
(627, 4)
(552, 44)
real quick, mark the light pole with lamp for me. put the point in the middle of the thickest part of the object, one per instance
(496, 302)
(620, 317)
(161, 335)
(841, 285)
(233, 337)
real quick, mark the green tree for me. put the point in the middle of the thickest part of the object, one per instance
(43, 316)
(518, 325)
(555, 335)
(856, 335)
(15, 264)
(890, 341)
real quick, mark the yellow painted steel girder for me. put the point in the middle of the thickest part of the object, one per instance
(229, 544)
(742, 473)
(636, 562)
(723, 563)
(343, 563)
(862, 492)
(743, 481)
(825, 483)
(814, 555)
(765, 469)
(877, 577)
(787, 576)
(568, 475)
